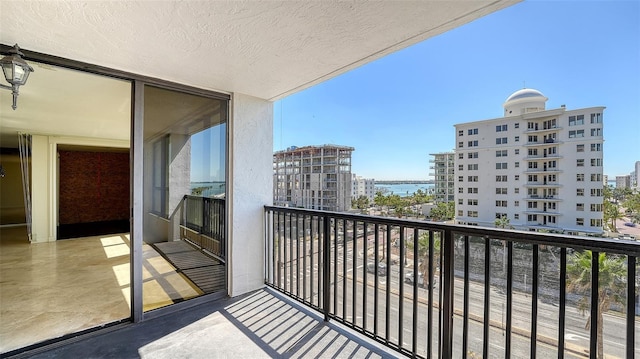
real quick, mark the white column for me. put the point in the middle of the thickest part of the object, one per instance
(250, 179)
(40, 184)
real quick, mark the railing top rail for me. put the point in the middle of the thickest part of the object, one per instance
(553, 239)
(198, 197)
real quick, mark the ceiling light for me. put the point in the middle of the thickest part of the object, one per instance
(16, 72)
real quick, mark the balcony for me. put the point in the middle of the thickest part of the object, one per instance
(480, 291)
(549, 198)
(543, 184)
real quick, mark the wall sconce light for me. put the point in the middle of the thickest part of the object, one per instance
(16, 71)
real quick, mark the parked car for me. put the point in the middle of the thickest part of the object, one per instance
(629, 224)
(626, 236)
(409, 279)
(382, 268)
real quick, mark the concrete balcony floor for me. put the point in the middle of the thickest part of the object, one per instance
(261, 324)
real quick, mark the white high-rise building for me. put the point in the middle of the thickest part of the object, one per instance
(443, 174)
(623, 181)
(635, 182)
(541, 169)
(363, 187)
(313, 177)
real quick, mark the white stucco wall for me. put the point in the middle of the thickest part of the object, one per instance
(250, 189)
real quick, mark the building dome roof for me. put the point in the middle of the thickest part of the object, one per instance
(529, 94)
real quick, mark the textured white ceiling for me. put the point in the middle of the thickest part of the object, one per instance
(267, 49)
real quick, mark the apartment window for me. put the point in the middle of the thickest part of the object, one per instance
(532, 138)
(460, 156)
(501, 166)
(460, 144)
(532, 126)
(596, 132)
(580, 148)
(501, 128)
(516, 216)
(473, 131)
(596, 192)
(533, 192)
(532, 165)
(472, 213)
(596, 207)
(472, 202)
(580, 177)
(501, 178)
(516, 190)
(532, 178)
(552, 164)
(576, 120)
(517, 139)
(501, 203)
(501, 190)
(472, 190)
(596, 162)
(460, 213)
(472, 167)
(516, 203)
(596, 118)
(460, 190)
(596, 177)
(501, 153)
(576, 134)
(532, 204)
(472, 155)
(460, 133)
(501, 140)
(580, 192)
(460, 178)
(516, 125)
(472, 178)
(579, 206)
(579, 221)
(517, 151)
(595, 222)
(532, 217)
(580, 162)
(596, 147)
(532, 152)
(460, 201)
(517, 164)
(517, 177)
(500, 215)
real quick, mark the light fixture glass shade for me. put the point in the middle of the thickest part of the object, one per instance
(16, 70)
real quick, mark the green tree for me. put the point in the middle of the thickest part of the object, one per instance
(423, 254)
(361, 202)
(443, 211)
(632, 205)
(611, 289)
(611, 213)
(503, 222)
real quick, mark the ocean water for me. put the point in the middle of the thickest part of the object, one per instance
(405, 189)
(209, 189)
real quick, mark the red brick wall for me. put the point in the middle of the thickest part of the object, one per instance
(94, 186)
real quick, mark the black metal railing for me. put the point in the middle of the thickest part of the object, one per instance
(203, 224)
(435, 290)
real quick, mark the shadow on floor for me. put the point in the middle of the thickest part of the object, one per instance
(261, 324)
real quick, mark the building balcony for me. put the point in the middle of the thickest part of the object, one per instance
(547, 142)
(542, 157)
(542, 185)
(543, 170)
(542, 212)
(543, 198)
(541, 129)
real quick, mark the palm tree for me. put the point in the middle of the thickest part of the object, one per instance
(611, 289)
(423, 252)
(503, 222)
(611, 215)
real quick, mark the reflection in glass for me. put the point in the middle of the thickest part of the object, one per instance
(184, 248)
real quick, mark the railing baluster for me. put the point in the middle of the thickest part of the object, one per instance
(335, 267)
(430, 294)
(465, 299)
(376, 258)
(416, 277)
(320, 238)
(314, 234)
(365, 284)
(304, 258)
(534, 303)
(447, 249)
(344, 269)
(354, 270)
(562, 310)
(326, 265)
(507, 344)
(401, 284)
(631, 305)
(595, 271)
(277, 253)
(290, 245)
(388, 274)
(297, 255)
(487, 297)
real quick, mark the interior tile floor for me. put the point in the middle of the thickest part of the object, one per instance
(48, 290)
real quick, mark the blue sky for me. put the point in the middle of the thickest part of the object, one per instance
(398, 109)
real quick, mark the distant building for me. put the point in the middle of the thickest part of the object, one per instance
(623, 181)
(313, 177)
(541, 169)
(636, 182)
(363, 187)
(444, 176)
(605, 182)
